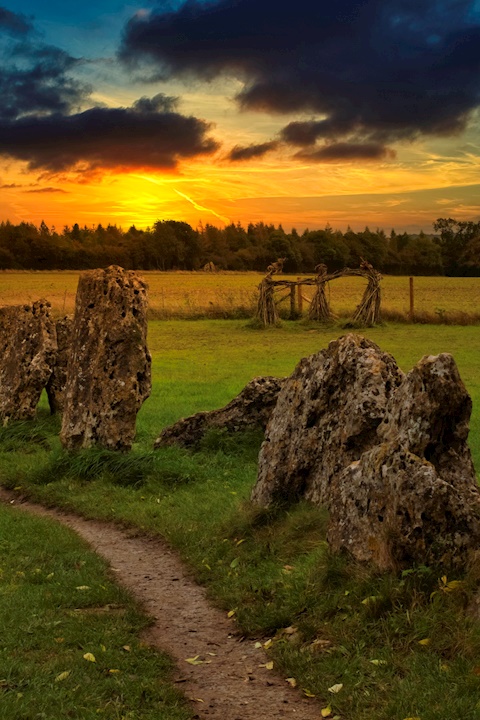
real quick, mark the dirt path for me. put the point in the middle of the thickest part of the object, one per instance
(230, 684)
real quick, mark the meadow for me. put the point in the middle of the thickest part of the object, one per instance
(401, 645)
(234, 295)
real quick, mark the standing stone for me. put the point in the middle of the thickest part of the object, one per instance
(58, 379)
(251, 408)
(414, 497)
(27, 354)
(326, 416)
(109, 367)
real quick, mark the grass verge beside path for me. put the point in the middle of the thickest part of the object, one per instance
(393, 646)
(70, 637)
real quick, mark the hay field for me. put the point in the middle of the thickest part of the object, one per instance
(229, 294)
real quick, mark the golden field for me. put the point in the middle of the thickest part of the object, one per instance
(229, 294)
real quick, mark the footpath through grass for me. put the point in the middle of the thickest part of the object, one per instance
(392, 646)
(70, 637)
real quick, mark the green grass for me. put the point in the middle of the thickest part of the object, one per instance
(328, 618)
(57, 604)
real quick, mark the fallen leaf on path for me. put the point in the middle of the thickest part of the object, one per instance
(194, 660)
(231, 613)
(326, 712)
(307, 693)
(292, 682)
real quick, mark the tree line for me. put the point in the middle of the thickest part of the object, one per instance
(454, 248)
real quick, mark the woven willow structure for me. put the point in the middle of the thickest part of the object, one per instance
(319, 307)
(366, 314)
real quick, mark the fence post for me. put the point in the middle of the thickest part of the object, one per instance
(292, 303)
(412, 301)
(299, 298)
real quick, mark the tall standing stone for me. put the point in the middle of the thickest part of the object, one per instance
(326, 416)
(27, 353)
(109, 367)
(58, 379)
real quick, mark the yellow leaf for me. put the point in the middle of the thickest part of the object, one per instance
(112, 671)
(83, 587)
(62, 676)
(231, 613)
(307, 693)
(425, 641)
(103, 648)
(335, 688)
(127, 648)
(412, 718)
(239, 542)
(258, 645)
(454, 585)
(267, 643)
(378, 662)
(292, 682)
(371, 599)
(326, 712)
(269, 665)
(49, 576)
(90, 657)
(194, 660)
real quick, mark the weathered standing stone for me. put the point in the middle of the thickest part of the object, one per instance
(326, 416)
(27, 352)
(250, 409)
(58, 379)
(109, 367)
(414, 497)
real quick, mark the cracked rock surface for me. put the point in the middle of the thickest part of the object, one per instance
(109, 365)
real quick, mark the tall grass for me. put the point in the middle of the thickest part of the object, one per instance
(230, 295)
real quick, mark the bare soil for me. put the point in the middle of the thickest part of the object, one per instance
(232, 682)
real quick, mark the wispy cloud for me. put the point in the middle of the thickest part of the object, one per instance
(201, 207)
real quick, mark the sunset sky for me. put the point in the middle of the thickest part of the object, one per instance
(360, 112)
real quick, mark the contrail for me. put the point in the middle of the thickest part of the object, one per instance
(200, 207)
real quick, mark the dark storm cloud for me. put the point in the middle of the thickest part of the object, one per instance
(35, 77)
(347, 151)
(139, 136)
(41, 122)
(379, 70)
(251, 151)
(14, 23)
